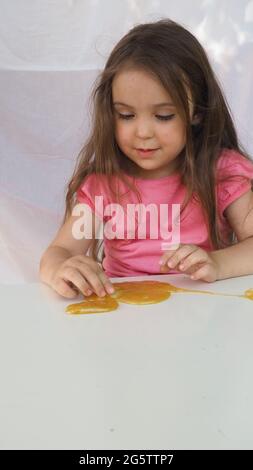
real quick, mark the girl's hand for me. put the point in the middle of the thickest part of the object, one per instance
(80, 273)
(190, 259)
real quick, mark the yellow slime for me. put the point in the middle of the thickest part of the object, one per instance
(138, 293)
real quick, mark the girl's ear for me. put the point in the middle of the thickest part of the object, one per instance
(196, 119)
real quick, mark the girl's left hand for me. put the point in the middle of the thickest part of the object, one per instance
(190, 259)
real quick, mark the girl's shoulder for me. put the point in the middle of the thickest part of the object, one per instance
(100, 184)
(88, 187)
(92, 180)
(233, 163)
(234, 177)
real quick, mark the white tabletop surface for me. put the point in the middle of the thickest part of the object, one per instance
(174, 375)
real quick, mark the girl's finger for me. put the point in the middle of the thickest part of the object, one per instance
(106, 282)
(204, 273)
(93, 279)
(198, 256)
(180, 254)
(79, 279)
(167, 255)
(63, 288)
(192, 269)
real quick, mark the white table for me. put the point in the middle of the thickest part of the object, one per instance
(174, 375)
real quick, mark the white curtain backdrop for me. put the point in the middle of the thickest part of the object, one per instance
(50, 53)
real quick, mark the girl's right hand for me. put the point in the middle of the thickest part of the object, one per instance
(80, 273)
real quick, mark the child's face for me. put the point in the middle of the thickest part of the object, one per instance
(141, 125)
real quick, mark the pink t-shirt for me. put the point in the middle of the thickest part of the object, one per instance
(138, 256)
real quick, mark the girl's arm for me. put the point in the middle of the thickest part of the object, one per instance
(233, 261)
(62, 247)
(66, 268)
(237, 260)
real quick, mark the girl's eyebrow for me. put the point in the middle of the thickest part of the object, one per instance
(157, 105)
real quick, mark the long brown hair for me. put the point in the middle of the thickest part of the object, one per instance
(170, 52)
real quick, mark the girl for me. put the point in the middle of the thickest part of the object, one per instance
(162, 134)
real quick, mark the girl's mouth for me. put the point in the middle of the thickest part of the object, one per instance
(146, 152)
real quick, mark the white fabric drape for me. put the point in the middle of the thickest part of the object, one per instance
(50, 54)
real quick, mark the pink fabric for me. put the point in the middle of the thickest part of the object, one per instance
(136, 257)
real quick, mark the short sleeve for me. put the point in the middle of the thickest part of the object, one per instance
(234, 178)
(90, 193)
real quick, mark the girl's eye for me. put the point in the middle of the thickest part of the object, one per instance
(165, 118)
(125, 116)
(162, 118)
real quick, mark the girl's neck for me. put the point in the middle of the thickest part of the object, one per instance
(131, 169)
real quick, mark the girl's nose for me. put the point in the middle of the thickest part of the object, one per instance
(144, 129)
